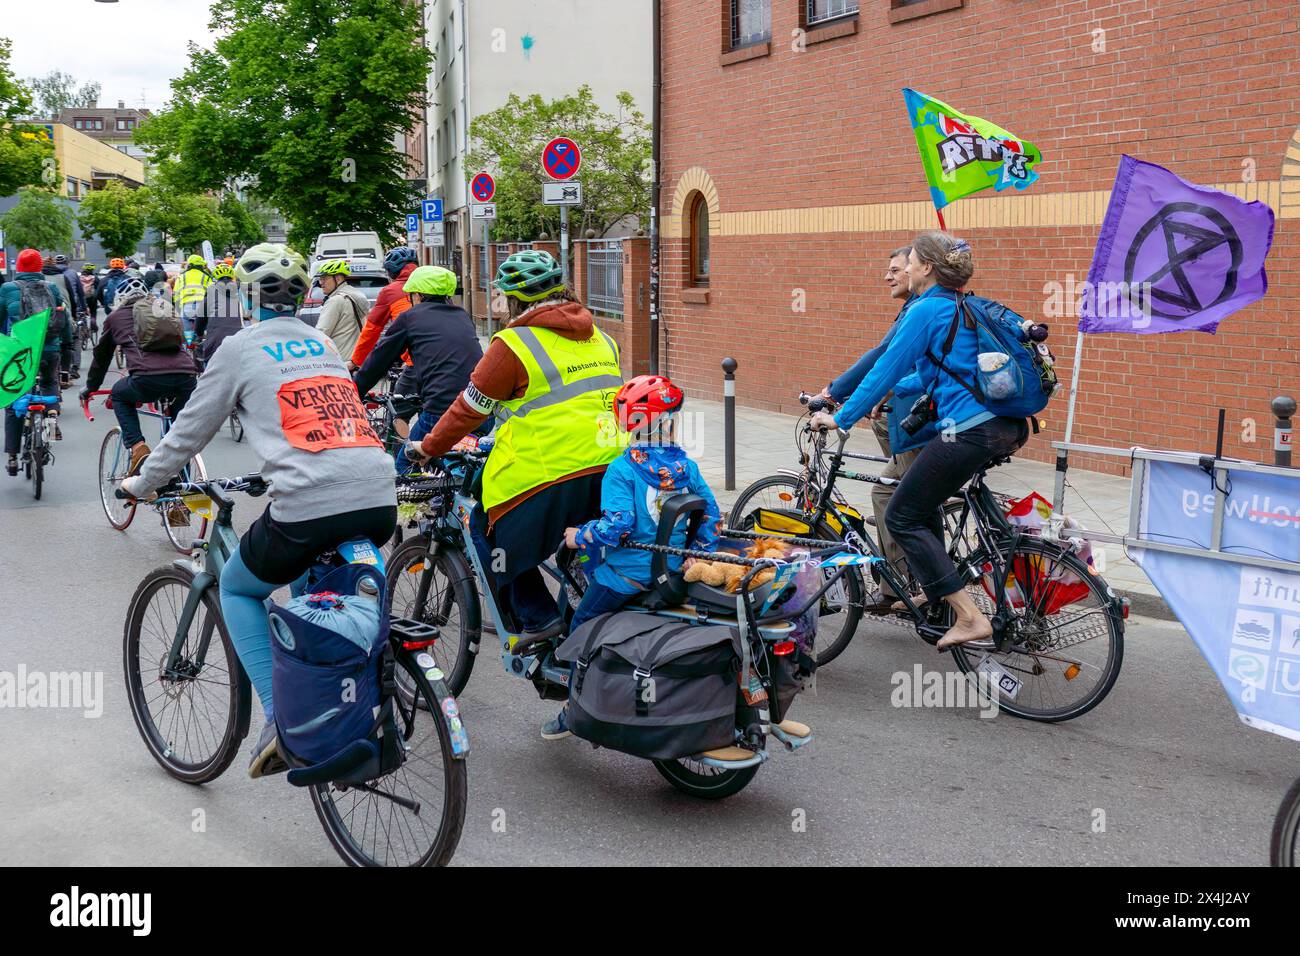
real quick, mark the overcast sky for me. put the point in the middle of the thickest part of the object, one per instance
(129, 47)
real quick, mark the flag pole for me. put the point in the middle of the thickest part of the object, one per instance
(1063, 454)
(942, 225)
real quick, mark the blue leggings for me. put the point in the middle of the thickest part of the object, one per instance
(243, 603)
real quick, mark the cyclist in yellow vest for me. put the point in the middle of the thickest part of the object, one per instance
(549, 377)
(190, 288)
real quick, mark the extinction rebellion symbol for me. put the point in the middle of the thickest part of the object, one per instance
(15, 371)
(1187, 255)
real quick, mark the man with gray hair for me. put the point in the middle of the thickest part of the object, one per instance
(842, 387)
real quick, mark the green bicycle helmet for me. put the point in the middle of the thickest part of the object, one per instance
(335, 267)
(529, 276)
(195, 260)
(431, 280)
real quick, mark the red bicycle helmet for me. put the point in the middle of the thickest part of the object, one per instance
(643, 399)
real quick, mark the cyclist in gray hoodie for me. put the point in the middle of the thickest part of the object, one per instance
(330, 478)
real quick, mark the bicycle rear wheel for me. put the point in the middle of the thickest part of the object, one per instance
(114, 460)
(36, 454)
(1284, 848)
(842, 604)
(1068, 636)
(438, 591)
(368, 827)
(236, 427)
(192, 719)
(702, 780)
(184, 536)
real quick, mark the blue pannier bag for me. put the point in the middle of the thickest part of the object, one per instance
(1015, 376)
(332, 680)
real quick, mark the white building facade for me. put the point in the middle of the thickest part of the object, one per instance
(484, 50)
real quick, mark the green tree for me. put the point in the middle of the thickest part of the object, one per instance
(245, 230)
(39, 220)
(57, 91)
(26, 156)
(117, 216)
(184, 219)
(304, 99)
(615, 147)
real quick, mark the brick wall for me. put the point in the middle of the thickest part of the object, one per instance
(817, 140)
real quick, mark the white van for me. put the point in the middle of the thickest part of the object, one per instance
(347, 245)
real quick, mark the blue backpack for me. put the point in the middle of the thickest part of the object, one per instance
(1016, 376)
(332, 677)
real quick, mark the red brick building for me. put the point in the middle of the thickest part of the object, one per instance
(787, 144)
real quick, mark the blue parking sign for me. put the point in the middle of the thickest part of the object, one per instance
(432, 210)
(412, 222)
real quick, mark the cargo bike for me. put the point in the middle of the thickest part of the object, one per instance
(724, 667)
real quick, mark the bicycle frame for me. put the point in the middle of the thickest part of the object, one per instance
(217, 549)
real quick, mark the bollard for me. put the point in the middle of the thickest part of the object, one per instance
(1283, 410)
(729, 420)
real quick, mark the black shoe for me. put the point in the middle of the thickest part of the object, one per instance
(11, 466)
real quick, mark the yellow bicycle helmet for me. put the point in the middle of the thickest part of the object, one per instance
(223, 271)
(335, 267)
(431, 280)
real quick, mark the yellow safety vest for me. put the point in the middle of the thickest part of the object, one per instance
(564, 422)
(187, 291)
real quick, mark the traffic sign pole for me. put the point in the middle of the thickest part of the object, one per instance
(564, 245)
(487, 265)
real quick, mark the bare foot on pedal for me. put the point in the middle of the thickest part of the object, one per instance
(971, 624)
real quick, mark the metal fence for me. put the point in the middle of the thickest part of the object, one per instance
(820, 11)
(605, 276)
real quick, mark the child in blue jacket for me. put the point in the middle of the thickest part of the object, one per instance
(651, 469)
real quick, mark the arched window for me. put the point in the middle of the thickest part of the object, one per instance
(699, 239)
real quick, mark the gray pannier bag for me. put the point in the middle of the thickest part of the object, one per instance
(651, 687)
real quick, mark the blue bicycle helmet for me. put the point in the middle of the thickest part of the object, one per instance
(397, 258)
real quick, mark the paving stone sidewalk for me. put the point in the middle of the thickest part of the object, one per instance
(765, 444)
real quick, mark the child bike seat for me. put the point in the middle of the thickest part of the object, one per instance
(670, 588)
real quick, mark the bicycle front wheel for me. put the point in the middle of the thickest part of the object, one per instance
(1284, 848)
(236, 427)
(114, 460)
(414, 815)
(194, 714)
(1068, 636)
(842, 604)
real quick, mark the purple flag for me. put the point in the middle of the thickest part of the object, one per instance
(1173, 256)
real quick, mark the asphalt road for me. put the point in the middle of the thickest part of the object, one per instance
(1163, 763)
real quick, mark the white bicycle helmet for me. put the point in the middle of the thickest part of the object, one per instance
(273, 275)
(128, 291)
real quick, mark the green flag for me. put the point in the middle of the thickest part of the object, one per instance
(964, 154)
(20, 356)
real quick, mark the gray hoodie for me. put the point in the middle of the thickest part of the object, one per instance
(302, 416)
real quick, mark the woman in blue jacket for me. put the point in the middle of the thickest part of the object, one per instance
(963, 439)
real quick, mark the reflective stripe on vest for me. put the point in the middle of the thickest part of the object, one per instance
(563, 423)
(187, 291)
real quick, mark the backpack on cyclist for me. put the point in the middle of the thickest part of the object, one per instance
(332, 677)
(36, 297)
(1015, 375)
(157, 326)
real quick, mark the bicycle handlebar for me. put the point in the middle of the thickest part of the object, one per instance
(253, 483)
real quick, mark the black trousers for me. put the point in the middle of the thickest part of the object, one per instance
(943, 467)
(132, 390)
(47, 383)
